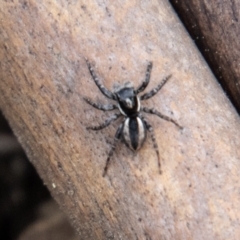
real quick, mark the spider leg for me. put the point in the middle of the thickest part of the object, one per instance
(106, 123)
(155, 146)
(108, 107)
(116, 139)
(104, 90)
(155, 90)
(147, 78)
(155, 112)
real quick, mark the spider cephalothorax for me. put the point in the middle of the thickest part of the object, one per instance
(128, 101)
(133, 129)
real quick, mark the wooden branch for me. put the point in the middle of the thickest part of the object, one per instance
(44, 78)
(214, 26)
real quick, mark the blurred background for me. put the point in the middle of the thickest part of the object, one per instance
(27, 210)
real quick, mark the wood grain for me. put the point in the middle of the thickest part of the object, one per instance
(44, 78)
(215, 28)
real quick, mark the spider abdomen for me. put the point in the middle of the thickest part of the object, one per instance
(134, 132)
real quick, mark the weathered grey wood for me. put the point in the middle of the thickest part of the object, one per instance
(43, 80)
(214, 26)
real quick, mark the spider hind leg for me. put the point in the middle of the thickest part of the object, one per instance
(116, 139)
(155, 146)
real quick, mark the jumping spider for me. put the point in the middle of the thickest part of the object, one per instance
(134, 127)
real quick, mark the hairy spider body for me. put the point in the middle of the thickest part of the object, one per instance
(134, 132)
(133, 129)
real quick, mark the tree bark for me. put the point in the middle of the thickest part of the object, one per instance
(44, 78)
(215, 28)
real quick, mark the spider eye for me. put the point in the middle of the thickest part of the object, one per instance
(125, 93)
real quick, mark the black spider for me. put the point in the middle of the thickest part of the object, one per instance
(134, 126)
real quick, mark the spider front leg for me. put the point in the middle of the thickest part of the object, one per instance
(116, 139)
(106, 123)
(155, 146)
(155, 112)
(104, 90)
(108, 107)
(147, 78)
(155, 90)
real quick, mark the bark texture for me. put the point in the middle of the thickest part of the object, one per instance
(214, 26)
(43, 80)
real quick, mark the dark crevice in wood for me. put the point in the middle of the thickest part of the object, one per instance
(191, 18)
